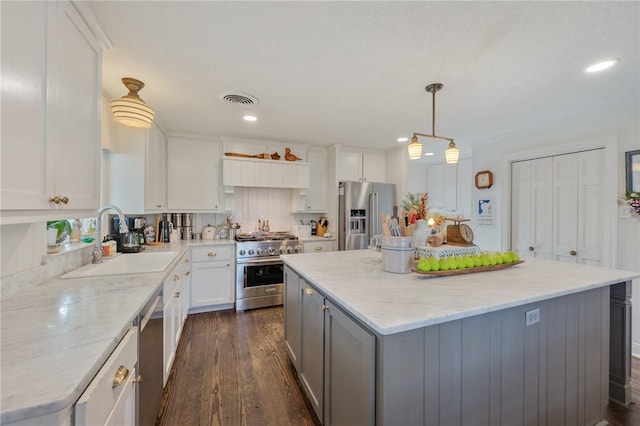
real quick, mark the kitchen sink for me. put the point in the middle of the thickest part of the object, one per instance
(130, 263)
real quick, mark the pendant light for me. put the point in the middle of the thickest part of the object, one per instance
(130, 110)
(415, 148)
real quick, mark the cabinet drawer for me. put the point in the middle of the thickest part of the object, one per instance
(97, 401)
(316, 246)
(212, 253)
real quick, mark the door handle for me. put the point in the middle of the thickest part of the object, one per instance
(573, 252)
(530, 248)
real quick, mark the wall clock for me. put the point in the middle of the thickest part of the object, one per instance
(484, 179)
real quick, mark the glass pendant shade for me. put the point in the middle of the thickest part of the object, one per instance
(130, 110)
(415, 149)
(452, 153)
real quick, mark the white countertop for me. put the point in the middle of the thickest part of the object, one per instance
(391, 303)
(56, 335)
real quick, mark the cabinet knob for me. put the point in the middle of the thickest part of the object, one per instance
(212, 254)
(573, 252)
(228, 265)
(55, 199)
(64, 200)
(138, 379)
(186, 261)
(325, 308)
(121, 375)
(176, 277)
(318, 248)
(530, 248)
(308, 291)
(177, 295)
(158, 205)
(187, 273)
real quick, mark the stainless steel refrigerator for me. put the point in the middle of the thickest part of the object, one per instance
(359, 207)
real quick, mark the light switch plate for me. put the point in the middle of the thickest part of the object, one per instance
(625, 211)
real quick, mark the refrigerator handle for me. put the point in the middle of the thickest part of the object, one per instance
(373, 214)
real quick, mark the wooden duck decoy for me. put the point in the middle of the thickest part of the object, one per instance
(289, 156)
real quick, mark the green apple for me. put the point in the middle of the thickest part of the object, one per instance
(515, 257)
(424, 265)
(477, 261)
(444, 264)
(468, 262)
(499, 258)
(434, 264)
(508, 257)
(484, 258)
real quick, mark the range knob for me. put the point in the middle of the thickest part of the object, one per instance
(241, 252)
(271, 251)
(289, 250)
(260, 252)
(283, 250)
(250, 252)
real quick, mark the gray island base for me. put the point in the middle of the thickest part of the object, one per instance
(543, 342)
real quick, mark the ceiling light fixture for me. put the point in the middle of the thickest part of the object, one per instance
(415, 148)
(601, 66)
(130, 110)
(250, 118)
(403, 139)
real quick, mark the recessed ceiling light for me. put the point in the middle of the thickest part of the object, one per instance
(601, 66)
(403, 139)
(250, 118)
(427, 154)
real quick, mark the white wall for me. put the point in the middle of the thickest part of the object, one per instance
(22, 247)
(621, 125)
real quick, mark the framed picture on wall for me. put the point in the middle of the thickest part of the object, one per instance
(632, 167)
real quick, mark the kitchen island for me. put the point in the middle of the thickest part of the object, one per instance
(526, 345)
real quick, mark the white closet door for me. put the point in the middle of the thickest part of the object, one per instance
(565, 207)
(521, 207)
(531, 208)
(542, 204)
(590, 207)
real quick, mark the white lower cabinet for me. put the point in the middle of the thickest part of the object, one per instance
(333, 355)
(110, 398)
(316, 246)
(175, 295)
(212, 279)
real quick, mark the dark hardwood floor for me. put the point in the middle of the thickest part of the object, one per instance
(232, 369)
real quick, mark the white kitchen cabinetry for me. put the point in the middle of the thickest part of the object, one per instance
(318, 245)
(193, 174)
(50, 110)
(333, 355)
(262, 173)
(110, 398)
(137, 169)
(175, 296)
(442, 186)
(313, 199)
(212, 278)
(361, 166)
(557, 209)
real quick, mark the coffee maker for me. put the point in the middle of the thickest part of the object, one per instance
(128, 242)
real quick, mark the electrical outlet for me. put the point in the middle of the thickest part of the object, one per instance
(532, 317)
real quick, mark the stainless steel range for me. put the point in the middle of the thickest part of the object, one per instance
(259, 270)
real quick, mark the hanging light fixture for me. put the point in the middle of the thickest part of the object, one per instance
(130, 110)
(415, 148)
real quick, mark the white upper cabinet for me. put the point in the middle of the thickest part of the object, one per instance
(263, 173)
(359, 166)
(137, 164)
(50, 110)
(193, 174)
(313, 199)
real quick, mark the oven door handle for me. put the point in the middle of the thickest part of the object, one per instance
(267, 261)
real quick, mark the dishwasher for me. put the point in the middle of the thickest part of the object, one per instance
(150, 361)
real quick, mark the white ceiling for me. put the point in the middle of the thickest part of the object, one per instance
(354, 73)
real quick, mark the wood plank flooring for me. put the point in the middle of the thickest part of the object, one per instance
(232, 369)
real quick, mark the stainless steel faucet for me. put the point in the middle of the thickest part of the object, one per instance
(97, 248)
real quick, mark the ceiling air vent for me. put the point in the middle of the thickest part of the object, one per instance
(241, 99)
